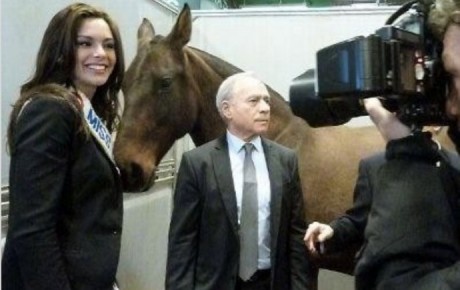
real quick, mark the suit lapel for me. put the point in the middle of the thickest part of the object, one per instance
(276, 193)
(224, 179)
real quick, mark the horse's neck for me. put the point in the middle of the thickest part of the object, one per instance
(286, 128)
(205, 75)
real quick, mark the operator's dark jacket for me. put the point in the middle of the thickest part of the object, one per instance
(407, 209)
(65, 205)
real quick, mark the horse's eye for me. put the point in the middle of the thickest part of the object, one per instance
(165, 83)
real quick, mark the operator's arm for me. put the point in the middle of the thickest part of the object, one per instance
(348, 229)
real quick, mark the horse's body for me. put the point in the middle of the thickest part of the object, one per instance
(169, 92)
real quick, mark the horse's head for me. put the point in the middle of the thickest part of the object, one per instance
(159, 102)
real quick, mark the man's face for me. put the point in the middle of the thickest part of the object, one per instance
(248, 111)
(451, 60)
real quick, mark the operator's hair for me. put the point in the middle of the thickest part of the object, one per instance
(442, 14)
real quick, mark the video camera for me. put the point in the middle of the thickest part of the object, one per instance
(400, 63)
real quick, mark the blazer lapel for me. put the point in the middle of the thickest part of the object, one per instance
(224, 179)
(275, 177)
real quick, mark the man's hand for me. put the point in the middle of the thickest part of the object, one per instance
(317, 233)
(387, 123)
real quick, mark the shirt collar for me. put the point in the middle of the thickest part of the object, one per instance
(235, 144)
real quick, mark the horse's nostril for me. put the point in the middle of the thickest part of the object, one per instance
(136, 171)
(132, 177)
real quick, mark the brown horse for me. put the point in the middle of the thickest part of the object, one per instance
(170, 91)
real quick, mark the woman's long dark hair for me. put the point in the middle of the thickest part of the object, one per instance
(55, 64)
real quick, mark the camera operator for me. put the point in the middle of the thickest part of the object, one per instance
(406, 211)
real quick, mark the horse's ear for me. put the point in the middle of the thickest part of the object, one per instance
(145, 33)
(182, 30)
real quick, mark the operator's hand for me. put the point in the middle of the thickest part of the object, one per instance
(387, 123)
(317, 233)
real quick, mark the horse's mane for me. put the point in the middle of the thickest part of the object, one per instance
(223, 68)
(220, 66)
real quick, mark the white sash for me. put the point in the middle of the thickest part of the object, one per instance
(97, 128)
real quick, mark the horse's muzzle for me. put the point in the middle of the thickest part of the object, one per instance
(134, 179)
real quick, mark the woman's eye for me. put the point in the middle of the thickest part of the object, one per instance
(83, 43)
(110, 45)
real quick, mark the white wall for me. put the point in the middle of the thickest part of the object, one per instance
(145, 240)
(280, 45)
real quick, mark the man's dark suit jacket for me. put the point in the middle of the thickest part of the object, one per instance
(66, 205)
(203, 251)
(404, 212)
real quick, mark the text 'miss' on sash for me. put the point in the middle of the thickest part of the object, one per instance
(97, 128)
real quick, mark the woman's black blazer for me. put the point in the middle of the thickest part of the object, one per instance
(66, 204)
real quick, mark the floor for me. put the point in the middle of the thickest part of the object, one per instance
(330, 280)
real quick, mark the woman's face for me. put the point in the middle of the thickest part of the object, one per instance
(95, 55)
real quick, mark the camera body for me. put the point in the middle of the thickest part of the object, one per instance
(401, 64)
